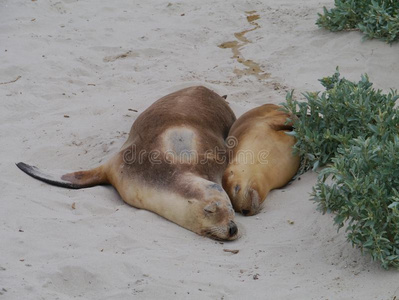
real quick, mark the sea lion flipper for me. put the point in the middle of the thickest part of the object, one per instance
(74, 180)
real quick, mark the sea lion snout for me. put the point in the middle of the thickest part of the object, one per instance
(245, 196)
(232, 229)
(249, 203)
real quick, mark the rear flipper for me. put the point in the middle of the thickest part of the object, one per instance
(75, 180)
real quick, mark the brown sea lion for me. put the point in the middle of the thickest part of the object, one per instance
(261, 159)
(172, 163)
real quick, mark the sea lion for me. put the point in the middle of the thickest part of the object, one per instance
(261, 158)
(171, 164)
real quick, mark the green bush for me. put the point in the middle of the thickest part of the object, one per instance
(375, 18)
(353, 130)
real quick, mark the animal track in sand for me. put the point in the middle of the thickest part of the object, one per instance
(252, 68)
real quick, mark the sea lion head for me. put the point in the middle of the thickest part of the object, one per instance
(246, 192)
(213, 214)
(215, 223)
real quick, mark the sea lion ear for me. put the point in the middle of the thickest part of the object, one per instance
(211, 208)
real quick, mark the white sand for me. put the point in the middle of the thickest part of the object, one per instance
(66, 53)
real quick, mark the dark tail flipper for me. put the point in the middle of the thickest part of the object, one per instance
(75, 180)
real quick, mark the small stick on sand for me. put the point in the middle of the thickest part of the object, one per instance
(231, 251)
(12, 81)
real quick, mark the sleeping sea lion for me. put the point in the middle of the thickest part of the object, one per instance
(171, 164)
(261, 159)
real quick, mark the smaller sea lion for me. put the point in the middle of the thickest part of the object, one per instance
(261, 159)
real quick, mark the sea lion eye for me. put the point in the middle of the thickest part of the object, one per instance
(209, 211)
(211, 208)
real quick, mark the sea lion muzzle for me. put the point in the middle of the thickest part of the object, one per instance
(232, 229)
